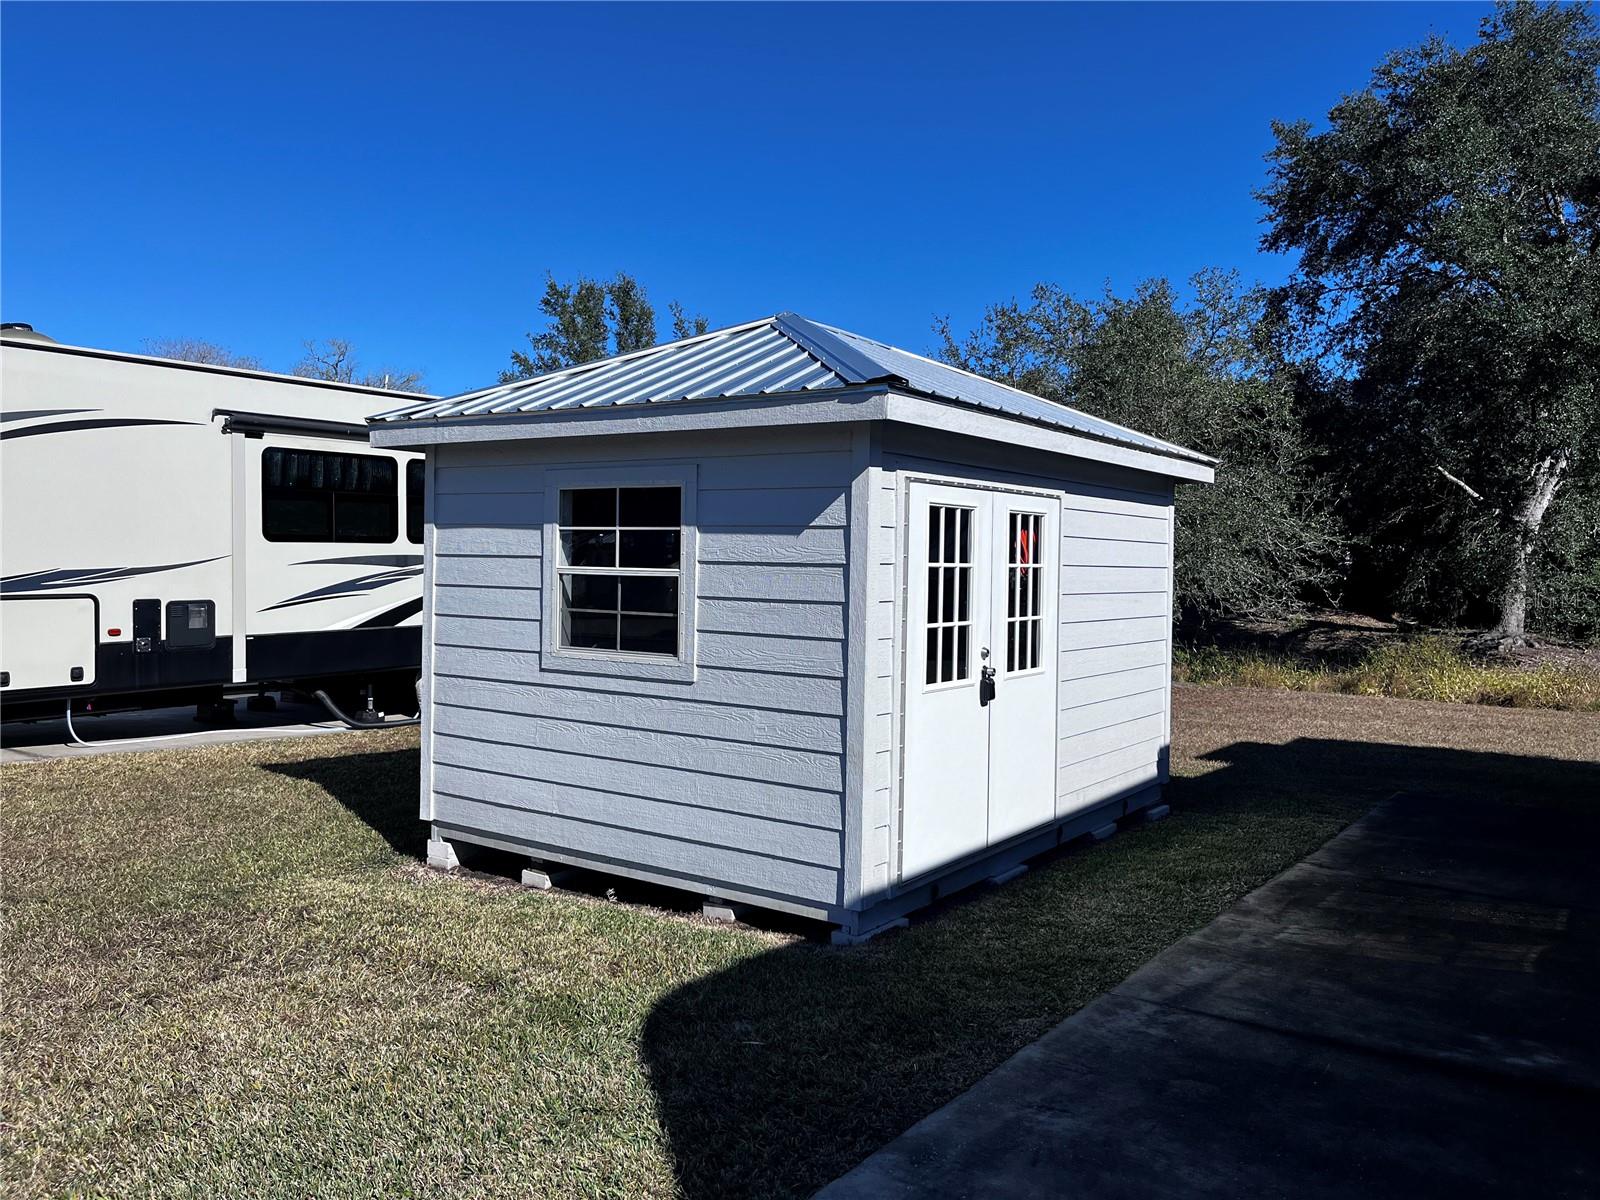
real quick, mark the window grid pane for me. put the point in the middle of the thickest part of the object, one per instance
(949, 605)
(620, 561)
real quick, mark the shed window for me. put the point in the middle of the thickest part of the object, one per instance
(620, 569)
(315, 496)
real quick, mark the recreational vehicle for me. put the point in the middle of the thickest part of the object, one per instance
(171, 532)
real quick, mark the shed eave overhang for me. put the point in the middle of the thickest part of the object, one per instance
(871, 401)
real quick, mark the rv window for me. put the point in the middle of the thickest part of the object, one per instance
(314, 496)
(415, 482)
(619, 569)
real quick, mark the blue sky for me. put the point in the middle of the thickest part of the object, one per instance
(404, 176)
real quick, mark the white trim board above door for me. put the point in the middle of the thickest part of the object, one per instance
(982, 595)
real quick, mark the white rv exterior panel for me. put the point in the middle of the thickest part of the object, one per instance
(48, 641)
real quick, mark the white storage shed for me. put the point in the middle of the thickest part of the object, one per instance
(788, 617)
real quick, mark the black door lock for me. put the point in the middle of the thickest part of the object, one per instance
(985, 686)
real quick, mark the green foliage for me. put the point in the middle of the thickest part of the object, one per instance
(591, 319)
(684, 323)
(578, 332)
(1207, 376)
(1425, 668)
(1448, 226)
(1566, 574)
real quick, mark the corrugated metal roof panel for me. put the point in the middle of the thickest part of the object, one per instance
(746, 360)
(945, 382)
(781, 354)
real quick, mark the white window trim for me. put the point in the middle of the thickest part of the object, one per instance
(619, 664)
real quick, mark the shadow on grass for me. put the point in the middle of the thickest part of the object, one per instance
(380, 788)
(779, 1074)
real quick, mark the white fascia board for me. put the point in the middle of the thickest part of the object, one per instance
(179, 364)
(971, 422)
(831, 407)
(796, 408)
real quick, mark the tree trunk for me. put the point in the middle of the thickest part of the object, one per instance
(1511, 630)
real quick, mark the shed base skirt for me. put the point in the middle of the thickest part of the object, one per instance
(997, 863)
(877, 914)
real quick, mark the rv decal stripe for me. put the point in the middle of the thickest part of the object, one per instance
(359, 586)
(26, 414)
(394, 615)
(79, 577)
(103, 423)
(366, 560)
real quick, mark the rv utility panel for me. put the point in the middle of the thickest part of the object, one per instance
(191, 624)
(146, 625)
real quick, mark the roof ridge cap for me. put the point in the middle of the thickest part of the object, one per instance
(823, 343)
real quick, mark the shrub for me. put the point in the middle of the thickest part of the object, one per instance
(1208, 664)
(1425, 668)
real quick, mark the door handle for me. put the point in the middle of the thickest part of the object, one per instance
(986, 687)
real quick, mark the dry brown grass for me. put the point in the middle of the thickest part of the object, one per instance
(1425, 668)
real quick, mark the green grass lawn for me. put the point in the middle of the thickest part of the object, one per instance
(226, 972)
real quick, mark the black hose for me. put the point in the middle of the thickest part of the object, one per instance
(340, 715)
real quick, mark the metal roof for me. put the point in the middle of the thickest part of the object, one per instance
(785, 354)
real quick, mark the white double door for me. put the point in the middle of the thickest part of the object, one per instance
(980, 724)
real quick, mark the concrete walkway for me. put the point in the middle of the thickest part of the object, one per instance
(1412, 1011)
(157, 729)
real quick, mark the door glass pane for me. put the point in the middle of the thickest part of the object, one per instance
(948, 617)
(1024, 592)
